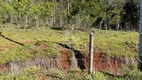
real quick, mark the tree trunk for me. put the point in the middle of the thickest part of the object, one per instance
(1, 20)
(105, 25)
(26, 22)
(68, 13)
(106, 1)
(57, 15)
(54, 14)
(118, 25)
(100, 27)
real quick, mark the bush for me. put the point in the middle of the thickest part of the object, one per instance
(97, 76)
(74, 76)
(29, 73)
(55, 73)
(31, 70)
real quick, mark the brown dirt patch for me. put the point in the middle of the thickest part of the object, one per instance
(1, 49)
(43, 47)
(104, 63)
(101, 61)
(4, 67)
(64, 61)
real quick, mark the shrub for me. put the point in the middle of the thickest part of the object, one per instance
(29, 73)
(55, 73)
(97, 76)
(73, 76)
(52, 53)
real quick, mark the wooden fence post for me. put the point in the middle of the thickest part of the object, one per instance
(90, 68)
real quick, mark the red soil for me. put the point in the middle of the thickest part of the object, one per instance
(43, 47)
(64, 61)
(1, 49)
(102, 63)
(4, 67)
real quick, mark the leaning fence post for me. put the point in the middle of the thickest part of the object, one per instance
(90, 68)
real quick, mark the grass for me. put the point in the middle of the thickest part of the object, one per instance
(34, 73)
(15, 54)
(118, 43)
(113, 43)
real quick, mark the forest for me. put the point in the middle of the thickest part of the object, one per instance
(71, 14)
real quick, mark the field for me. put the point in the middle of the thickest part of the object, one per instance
(19, 45)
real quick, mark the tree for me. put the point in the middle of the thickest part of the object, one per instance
(71, 14)
(130, 16)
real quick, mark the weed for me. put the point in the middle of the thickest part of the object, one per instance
(55, 73)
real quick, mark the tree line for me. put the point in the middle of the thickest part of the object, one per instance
(71, 14)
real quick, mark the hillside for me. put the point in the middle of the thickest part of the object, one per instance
(109, 42)
(49, 39)
(56, 48)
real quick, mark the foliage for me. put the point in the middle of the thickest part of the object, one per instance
(82, 76)
(111, 43)
(24, 12)
(97, 76)
(129, 75)
(15, 54)
(113, 14)
(55, 73)
(29, 73)
(78, 75)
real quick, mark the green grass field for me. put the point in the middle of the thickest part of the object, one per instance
(116, 43)
(112, 43)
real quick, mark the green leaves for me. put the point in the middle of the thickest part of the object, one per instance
(80, 13)
(21, 11)
(43, 9)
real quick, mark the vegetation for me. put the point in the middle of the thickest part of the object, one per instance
(70, 14)
(33, 73)
(35, 29)
(111, 43)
